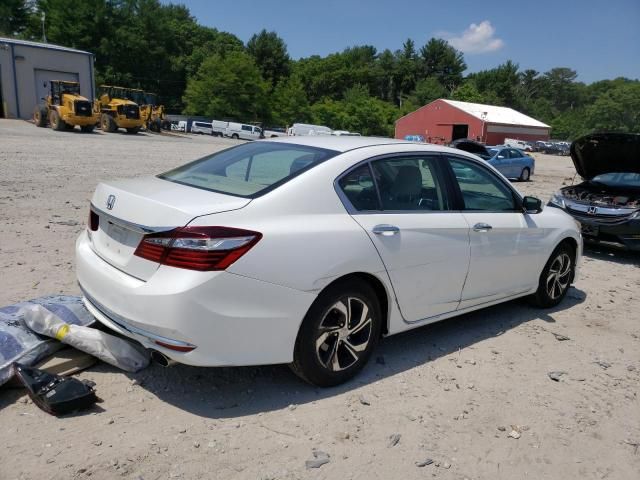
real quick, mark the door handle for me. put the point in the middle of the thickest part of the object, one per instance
(385, 229)
(482, 227)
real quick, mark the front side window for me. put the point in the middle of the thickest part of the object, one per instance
(248, 170)
(515, 153)
(481, 190)
(246, 128)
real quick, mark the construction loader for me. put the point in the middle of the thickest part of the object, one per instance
(118, 109)
(152, 114)
(64, 108)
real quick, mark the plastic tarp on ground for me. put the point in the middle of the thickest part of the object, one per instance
(19, 344)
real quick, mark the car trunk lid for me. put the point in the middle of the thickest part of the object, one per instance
(600, 153)
(129, 209)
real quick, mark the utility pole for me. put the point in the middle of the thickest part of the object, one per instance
(44, 35)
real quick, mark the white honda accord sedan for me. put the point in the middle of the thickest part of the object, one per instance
(307, 250)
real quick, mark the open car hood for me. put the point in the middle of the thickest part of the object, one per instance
(471, 147)
(600, 153)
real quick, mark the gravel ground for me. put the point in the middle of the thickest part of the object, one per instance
(465, 398)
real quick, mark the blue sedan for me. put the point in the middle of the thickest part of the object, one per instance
(511, 162)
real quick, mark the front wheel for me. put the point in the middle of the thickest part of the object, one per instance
(555, 278)
(338, 334)
(235, 136)
(525, 175)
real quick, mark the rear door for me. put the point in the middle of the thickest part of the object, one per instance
(403, 204)
(506, 245)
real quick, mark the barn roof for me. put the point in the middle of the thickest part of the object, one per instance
(50, 46)
(493, 114)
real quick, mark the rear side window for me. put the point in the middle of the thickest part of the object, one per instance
(249, 170)
(409, 184)
(398, 184)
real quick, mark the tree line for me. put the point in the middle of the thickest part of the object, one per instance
(199, 70)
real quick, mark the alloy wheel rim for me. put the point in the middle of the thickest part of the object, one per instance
(559, 276)
(344, 334)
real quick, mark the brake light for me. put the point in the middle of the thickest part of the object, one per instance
(197, 248)
(94, 220)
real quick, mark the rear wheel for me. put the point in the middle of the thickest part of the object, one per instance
(525, 175)
(338, 334)
(133, 130)
(555, 278)
(56, 122)
(40, 116)
(87, 128)
(107, 123)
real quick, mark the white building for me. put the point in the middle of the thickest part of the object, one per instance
(26, 68)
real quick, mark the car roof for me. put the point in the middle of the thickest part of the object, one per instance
(345, 143)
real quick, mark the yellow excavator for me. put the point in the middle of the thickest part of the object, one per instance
(118, 109)
(65, 108)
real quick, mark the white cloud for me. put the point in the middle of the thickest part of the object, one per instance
(478, 38)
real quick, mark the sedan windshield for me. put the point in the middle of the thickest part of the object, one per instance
(249, 170)
(618, 179)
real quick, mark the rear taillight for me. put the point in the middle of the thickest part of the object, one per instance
(94, 220)
(197, 248)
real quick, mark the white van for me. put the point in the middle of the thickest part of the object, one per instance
(218, 127)
(201, 127)
(521, 144)
(307, 129)
(243, 131)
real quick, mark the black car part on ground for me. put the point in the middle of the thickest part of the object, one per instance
(55, 394)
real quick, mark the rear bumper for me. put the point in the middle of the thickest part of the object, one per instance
(124, 122)
(231, 319)
(80, 120)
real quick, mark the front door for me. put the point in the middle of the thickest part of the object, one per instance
(506, 244)
(424, 245)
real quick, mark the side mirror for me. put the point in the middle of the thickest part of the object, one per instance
(531, 205)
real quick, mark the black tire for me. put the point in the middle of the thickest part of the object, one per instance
(347, 346)
(40, 115)
(107, 123)
(56, 122)
(525, 175)
(87, 128)
(556, 277)
(155, 125)
(133, 130)
(235, 136)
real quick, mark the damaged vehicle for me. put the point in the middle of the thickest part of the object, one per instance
(607, 202)
(306, 250)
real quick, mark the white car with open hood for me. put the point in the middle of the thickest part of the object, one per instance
(306, 250)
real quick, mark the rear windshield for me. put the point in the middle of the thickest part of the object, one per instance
(249, 170)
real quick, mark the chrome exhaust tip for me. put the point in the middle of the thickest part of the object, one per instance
(161, 359)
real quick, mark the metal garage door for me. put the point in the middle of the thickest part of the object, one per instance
(43, 77)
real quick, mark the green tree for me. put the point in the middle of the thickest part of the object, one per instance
(442, 61)
(228, 87)
(427, 90)
(270, 54)
(14, 17)
(289, 102)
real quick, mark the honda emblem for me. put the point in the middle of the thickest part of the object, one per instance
(592, 210)
(111, 200)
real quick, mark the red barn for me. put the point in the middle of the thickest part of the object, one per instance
(443, 121)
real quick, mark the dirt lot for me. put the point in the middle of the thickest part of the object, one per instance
(451, 391)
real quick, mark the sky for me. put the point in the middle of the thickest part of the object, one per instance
(599, 39)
